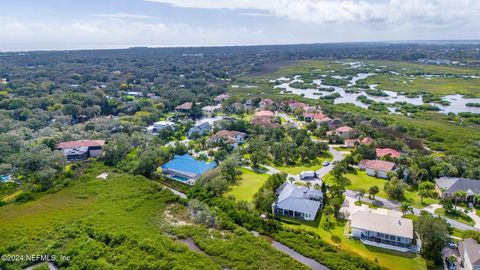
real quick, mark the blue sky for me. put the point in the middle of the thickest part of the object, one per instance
(81, 24)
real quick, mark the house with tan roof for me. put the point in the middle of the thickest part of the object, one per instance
(316, 117)
(264, 103)
(344, 132)
(383, 229)
(233, 138)
(264, 114)
(185, 107)
(383, 152)
(221, 97)
(377, 168)
(367, 141)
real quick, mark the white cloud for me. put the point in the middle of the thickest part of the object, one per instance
(124, 16)
(388, 12)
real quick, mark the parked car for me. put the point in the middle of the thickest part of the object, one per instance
(326, 163)
(452, 245)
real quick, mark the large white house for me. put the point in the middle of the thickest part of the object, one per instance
(157, 126)
(385, 229)
(470, 253)
(297, 201)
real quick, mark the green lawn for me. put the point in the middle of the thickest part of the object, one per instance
(459, 216)
(362, 180)
(249, 183)
(314, 166)
(385, 258)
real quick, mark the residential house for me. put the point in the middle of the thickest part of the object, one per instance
(335, 123)
(233, 138)
(344, 132)
(367, 141)
(221, 97)
(265, 103)
(447, 186)
(470, 254)
(377, 168)
(200, 129)
(185, 107)
(386, 230)
(292, 104)
(81, 150)
(310, 109)
(157, 126)
(210, 111)
(297, 201)
(265, 121)
(318, 118)
(264, 114)
(351, 143)
(383, 152)
(134, 94)
(186, 169)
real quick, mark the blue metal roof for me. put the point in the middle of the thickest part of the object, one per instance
(187, 163)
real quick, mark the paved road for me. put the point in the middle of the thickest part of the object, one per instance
(289, 120)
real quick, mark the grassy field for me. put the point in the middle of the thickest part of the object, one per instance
(362, 180)
(458, 217)
(385, 258)
(435, 85)
(249, 183)
(314, 166)
(118, 224)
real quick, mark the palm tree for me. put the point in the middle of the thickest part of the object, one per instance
(328, 212)
(359, 194)
(459, 194)
(406, 207)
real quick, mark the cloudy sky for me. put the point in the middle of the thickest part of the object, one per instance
(80, 24)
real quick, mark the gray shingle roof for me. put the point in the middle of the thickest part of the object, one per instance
(450, 185)
(299, 199)
(472, 248)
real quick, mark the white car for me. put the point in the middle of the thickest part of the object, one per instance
(326, 163)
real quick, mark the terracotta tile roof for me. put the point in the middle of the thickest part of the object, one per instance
(367, 141)
(229, 133)
(264, 114)
(351, 142)
(184, 106)
(344, 129)
(81, 143)
(381, 152)
(377, 165)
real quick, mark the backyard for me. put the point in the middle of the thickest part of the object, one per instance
(361, 180)
(384, 257)
(314, 166)
(249, 183)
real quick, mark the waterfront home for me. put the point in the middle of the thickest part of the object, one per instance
(186, 169)
(383, 229)
(297, 201)
(318, 118)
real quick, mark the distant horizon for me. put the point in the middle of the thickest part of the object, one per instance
(101, 46)
(29, 25)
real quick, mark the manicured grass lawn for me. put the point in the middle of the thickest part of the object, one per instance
(362, 180)
(385, 258)
(459, 216)
(296, 169)
(248, 185)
